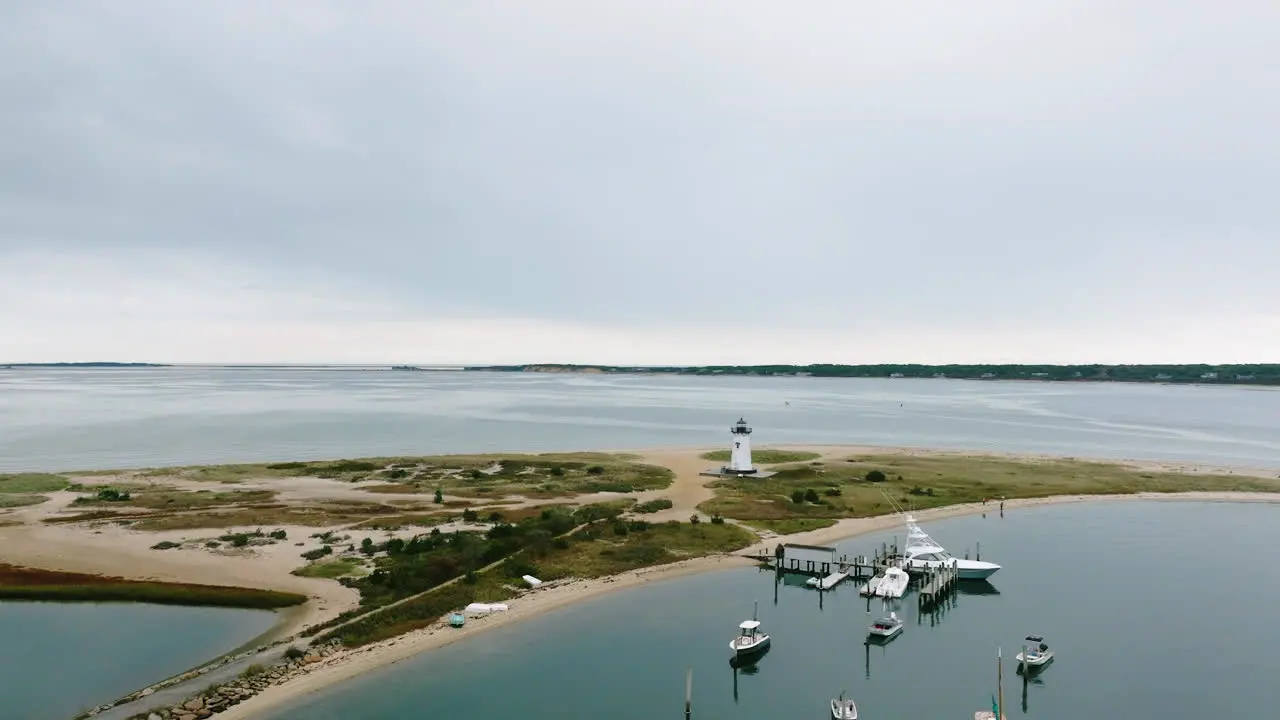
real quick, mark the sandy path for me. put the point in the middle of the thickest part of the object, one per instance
(687, 490)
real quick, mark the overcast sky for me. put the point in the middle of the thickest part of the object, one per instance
(640, 181)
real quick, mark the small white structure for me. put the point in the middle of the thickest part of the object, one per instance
(485, 608)
(740, 454)
(533, 581)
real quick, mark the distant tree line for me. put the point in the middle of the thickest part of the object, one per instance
(1250, 374)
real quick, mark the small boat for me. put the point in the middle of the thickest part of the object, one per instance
(892, 584)
(457, 619)
(843, 708)
(886, 627)
(750, 640)
(1035, 655)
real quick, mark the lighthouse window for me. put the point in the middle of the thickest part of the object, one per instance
(737, 445)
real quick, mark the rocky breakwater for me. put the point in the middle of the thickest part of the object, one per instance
(252, 681)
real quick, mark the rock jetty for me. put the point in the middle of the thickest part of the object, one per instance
(255, 679)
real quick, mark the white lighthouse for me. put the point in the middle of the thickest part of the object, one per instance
(740, 454)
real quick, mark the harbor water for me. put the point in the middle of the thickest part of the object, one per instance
(59, 659)
(1151, 610)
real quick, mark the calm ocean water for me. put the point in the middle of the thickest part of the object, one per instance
(59, 659)
(1150, 613)
(54, 419)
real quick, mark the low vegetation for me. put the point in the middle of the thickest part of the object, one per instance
(12, 501)
(591, 542)
(331, 569)
(17, 583)
(32, 483)
(857, 487)
(548, 475)
(764, 456)
(788, 526)
(653, 506)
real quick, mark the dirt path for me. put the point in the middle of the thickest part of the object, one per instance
(687, 490)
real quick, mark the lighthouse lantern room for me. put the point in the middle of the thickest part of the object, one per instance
(740, 454)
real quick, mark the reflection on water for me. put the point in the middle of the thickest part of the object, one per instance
(747, 666)
(976, 587)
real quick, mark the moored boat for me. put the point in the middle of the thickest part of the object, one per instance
(886, 627)
(750, 639)
(843, 708)
(1035, 655)
(891, 584)
(924, 553)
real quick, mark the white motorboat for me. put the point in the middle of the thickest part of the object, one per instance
(892, 584)
(886, 627)
(843, 708)
(924, 553)
(750, 639)
(1035, 655)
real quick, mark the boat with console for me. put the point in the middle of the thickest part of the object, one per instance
(843, 708)
(1034, 656)
(886, 627)
(750, 639)
(891, 584)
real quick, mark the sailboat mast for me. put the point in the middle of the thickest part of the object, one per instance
(999, 685)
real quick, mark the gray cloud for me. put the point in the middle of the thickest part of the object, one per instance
(844, 168)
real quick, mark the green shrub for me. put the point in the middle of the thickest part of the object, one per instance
(653, 506)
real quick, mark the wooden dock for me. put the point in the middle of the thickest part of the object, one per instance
(937, 585)
(830, 581)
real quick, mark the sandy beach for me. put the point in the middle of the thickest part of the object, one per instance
(349, 664)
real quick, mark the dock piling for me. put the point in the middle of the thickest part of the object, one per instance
(688, 693)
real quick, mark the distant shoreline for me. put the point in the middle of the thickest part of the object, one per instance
(102, 364)
(1256, 374)
(1249, 375)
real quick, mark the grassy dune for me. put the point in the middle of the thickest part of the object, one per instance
(17, 583)
(842, 489)
(32, 483)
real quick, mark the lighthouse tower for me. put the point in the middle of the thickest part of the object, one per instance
(740, 454)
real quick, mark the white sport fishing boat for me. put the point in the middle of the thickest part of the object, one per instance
(1036, 655)
(750, 639)
(843, 708)
(885, 627)
(892, 584)
(924, 553)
